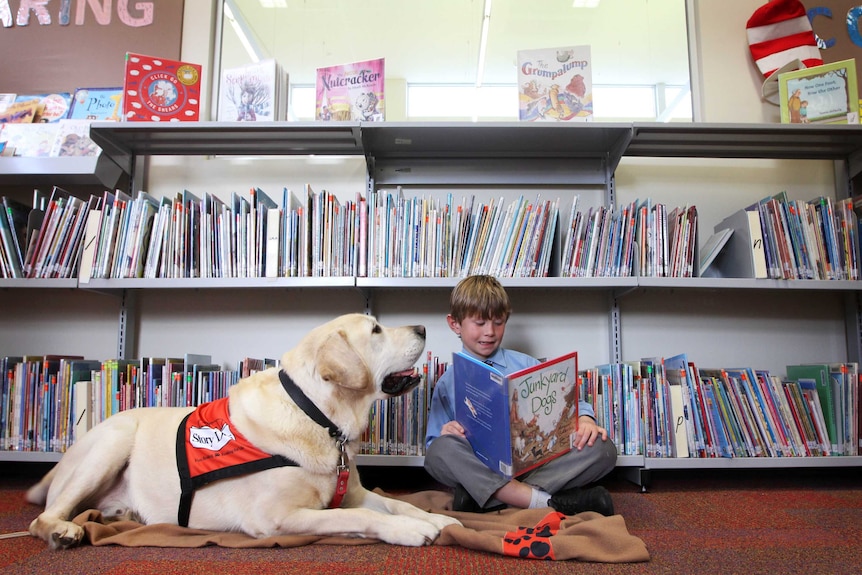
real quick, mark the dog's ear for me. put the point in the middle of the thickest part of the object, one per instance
(339, 363)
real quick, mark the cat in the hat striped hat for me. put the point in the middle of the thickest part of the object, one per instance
(781, 39)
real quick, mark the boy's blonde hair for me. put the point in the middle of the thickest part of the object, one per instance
(480, 296)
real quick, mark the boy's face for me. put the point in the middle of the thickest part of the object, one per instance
(481, 337)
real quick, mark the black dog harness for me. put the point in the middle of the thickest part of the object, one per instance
(209, 448)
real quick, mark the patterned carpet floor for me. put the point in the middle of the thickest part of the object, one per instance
(693, 522)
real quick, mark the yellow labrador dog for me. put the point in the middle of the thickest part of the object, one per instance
(291, 434)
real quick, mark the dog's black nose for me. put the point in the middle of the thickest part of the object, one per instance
(420, 330)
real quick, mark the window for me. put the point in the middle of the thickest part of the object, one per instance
(457, 60)
(612, 103)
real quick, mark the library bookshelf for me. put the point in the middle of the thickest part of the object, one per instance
(432, 158)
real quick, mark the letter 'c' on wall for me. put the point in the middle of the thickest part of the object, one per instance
(853, 25)
(826, 12)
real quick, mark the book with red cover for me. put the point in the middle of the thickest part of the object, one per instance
(160, 89)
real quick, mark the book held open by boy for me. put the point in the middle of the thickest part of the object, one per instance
(516, 423)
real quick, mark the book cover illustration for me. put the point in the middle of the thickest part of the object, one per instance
(555, 84)
(97, 104)
(826, 94)
(160, 89)
(539, 403)
(30, 140)
(52, 106)
(253, 93)
(351, 92)
(20, 112)
(73, 139)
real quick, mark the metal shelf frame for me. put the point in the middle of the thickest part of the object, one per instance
(459, 153)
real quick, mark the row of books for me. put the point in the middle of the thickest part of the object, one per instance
(781, 238)
(426, 237)
(187, 236)
(396, 426)
(657, 407)
(49, 401)
(44, 241)
(642, 238)
(668, 407)
(117, 236)
(392, 235)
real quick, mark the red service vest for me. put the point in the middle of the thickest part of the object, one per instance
(209, 448)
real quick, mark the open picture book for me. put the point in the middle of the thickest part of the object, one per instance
(519, 421)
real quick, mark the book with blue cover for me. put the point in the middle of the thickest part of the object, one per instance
(519, 421)
(97, 104)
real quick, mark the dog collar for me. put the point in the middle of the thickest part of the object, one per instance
(342, 470)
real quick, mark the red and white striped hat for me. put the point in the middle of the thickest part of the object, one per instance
(781, 39)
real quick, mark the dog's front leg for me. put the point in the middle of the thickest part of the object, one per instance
(358, 522)
(361, 497)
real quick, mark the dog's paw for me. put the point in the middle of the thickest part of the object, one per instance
(408, 531)
(441, 521)
(58, 534)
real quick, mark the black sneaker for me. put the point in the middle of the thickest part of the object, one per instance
(463, 501)
(578, 500)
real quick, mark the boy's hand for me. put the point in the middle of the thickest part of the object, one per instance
(588, 431)
(452, 428)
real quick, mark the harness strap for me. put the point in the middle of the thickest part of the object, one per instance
(189, 484)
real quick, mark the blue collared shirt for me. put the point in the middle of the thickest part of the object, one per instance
(443, 401)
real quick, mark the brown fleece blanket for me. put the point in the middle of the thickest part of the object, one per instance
(529, 533)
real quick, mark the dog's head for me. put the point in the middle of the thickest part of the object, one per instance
(360, 356)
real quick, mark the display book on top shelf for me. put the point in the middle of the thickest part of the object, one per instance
(440, 152)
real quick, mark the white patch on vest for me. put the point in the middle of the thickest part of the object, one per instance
(210, 438)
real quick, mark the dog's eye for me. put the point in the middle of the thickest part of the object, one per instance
(376, 328)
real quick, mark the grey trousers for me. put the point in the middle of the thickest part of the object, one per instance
(451, 461)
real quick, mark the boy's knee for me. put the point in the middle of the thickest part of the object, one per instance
(437, 451)
(602, 456)
(607, 453)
